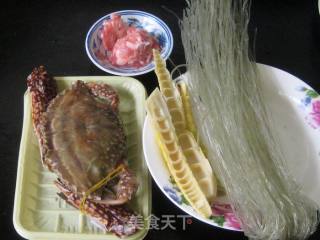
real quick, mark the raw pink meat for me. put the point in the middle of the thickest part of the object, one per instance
(128, 46)
(113, 29)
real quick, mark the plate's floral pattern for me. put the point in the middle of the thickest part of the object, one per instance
(222, 213)
(175, 194)
(315, 114)
(159, 34)
(311, 103)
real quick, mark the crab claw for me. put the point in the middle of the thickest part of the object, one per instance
(127, 186)
(105, 92)
(43, 89)
(121, 192)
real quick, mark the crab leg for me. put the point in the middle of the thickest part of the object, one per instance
(117, 219)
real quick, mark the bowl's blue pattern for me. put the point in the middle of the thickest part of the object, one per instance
(139, 19)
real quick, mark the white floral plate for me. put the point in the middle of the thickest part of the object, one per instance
(295, 109)
(139, 19)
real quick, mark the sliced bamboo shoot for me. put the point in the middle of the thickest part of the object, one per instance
(173, 154)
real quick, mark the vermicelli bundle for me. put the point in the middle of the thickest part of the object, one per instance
(234, 125)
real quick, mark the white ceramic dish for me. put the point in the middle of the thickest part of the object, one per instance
(295, 108)
(139, 19)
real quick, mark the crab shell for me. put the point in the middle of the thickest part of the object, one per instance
(82, 139)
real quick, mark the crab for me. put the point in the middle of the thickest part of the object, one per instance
(81, 140)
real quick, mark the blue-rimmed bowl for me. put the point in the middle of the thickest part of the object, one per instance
(139, 19)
